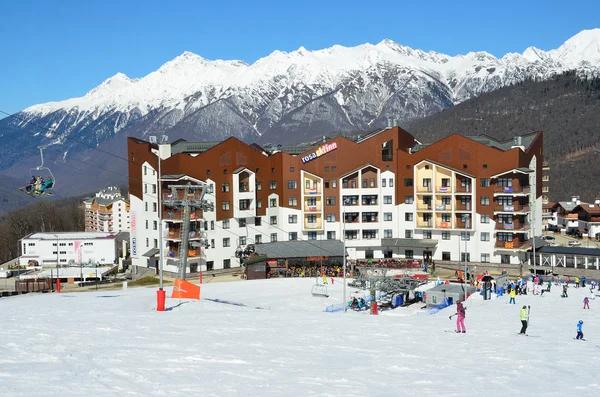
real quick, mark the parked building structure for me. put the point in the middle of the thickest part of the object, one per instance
(564, 215)
(384, 194)
(76, 248)
(108, 211)
(589, 218)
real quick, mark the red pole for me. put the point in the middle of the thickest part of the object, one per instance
(200, 277)
(58, 285)
(160, 300)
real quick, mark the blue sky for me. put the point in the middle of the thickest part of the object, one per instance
(53, 50)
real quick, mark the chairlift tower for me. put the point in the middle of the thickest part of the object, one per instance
(187, 199)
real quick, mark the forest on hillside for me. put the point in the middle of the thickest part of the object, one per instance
(566, 108)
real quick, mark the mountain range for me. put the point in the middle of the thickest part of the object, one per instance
(282, 98)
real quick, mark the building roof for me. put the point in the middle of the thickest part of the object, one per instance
(548, 205)
(300, 249)
(446, 167)
(151, 252)
(72, 236)
(591, 209)
(582, 251)
(526, 141)
(409, 242)
(452, 288)
(569, 205)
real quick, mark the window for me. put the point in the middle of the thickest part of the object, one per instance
(292, 236)
(372, 182)
(391, 182)
(485, 236)
(212, 243)
(307, 184)
(292, 202)
(226, 263)
(242, 222)
(226, 224)
(408, 182)
(369, 216)
(369, 234)
(291, 184)
(383, 182)
(485, 182)
(225, 206)
(387, 233)
(273, 237)
(311, 201)
(465, 258)
(146, 207)
(154, 188)
(350, 200)
(445, 235)
(226, 242)
(155, 243)
(445, 256)
(334, 183)
(273, 185)
(333, 168)
(387, 199)
(485, 219)
(258, 186)
(207, 172)
(145, 170)
(145, 188)
(408, 217)
(155, 225)
(225, 171)
(291, 169)
(464, 166)
(330, 217)
(146, 228)
(312, 235)
(408, 234)
(272, 202)
(485, 200)
(258, 203)
(273, 220)
(225, 187)
(326, 183)
(485, 166)
(408, 254)
(258, 239)
(311, 218)
(369, 200)
(465, 236)
(445, 217)
(351, 234)
(272, 170)
(330, 235)
(427, 234)
(504, 258)
(387, 216)
(257, 221)
(326, 169)
(154, 207)
(242, 240)
(485, 258)
(147, 243)
(212, 225)
(330, 200)
(244, 204)
(155, 246)
(292, 218)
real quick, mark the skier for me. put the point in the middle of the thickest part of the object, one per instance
(586, 303)
(512, 295)
(580, 330)
(460, 318)
(549, 286)
(524, 320)
(564, 294)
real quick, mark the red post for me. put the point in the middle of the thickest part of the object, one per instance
(160, 300)
(200, 277)
(58, 285)
(374, 308)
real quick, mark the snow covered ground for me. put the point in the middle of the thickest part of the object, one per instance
(283, 344)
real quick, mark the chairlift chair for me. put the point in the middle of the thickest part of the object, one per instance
(319, 291)
(38, 189)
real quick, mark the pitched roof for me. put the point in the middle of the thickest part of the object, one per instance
(300, 249)
(570, 251)
(569, 205)
(591, 209)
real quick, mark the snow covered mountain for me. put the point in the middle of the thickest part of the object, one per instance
(286, 97)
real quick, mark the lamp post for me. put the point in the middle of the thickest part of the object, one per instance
(160, 294)
(56, 258)
(344, 253)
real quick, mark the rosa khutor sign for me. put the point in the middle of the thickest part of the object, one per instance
(321, 150)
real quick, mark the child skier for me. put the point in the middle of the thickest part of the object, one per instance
(523, 320)
(586, 303)
(512, 295)
(460, 318)
(580, 330)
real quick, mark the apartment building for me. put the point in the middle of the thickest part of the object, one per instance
(385, 194)
(108, 211)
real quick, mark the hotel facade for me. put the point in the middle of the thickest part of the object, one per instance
(385, 194)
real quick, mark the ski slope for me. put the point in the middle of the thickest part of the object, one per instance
(283, 344)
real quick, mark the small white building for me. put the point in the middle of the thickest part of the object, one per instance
(71, 248)
(107, 212)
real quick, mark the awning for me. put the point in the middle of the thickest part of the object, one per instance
(409, 242)
(152, 252)
(521, 170)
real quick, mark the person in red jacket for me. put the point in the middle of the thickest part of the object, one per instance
(460, 318)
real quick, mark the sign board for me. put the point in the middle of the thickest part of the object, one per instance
(317, 258)
(133, 227)
(321, 150)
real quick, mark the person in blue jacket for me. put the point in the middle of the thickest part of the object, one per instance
(580, 330)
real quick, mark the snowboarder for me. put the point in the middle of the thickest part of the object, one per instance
(460, 318)
(512, 295)
(586, 303)
(524, 320)
(580, 330)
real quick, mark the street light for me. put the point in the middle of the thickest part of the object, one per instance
(344, 253)
(160, 293)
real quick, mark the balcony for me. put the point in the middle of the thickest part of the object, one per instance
(463, 189)
(444, 225)
(517, 227)
(461, 225)
(444, 189)
(177, 216)
(509, 244)
(424, 189)
(512, 208)
(312, 225)
(192, 253)
(312, 208)
(175, 234)
(511, 190)
(421, 206)
(195, 194)
(463, 207)
(424, 224)
(443, 207)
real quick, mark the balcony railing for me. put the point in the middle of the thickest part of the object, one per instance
(424, 189)
(513, 226)
(463, 207)
(464, 189)
(443, 207)
(461, 225)
(511, 208)
(180, 195)
(444, 189)
(424, 207)
(178, 215)
(312, 225)
(512, 189)
(312, 208)
(444, 225)
(424, 224)
(192, 253)
(509, 244)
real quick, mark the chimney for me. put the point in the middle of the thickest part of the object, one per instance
(578, 202)
(324, 139)
(390, 123)
(396, 123)
(518, 142)
(574, 199)
(597, 201)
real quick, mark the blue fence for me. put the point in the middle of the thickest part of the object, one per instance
(436, 308)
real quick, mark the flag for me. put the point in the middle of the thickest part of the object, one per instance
(508, 189)
(185, 289)
(444, 189)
